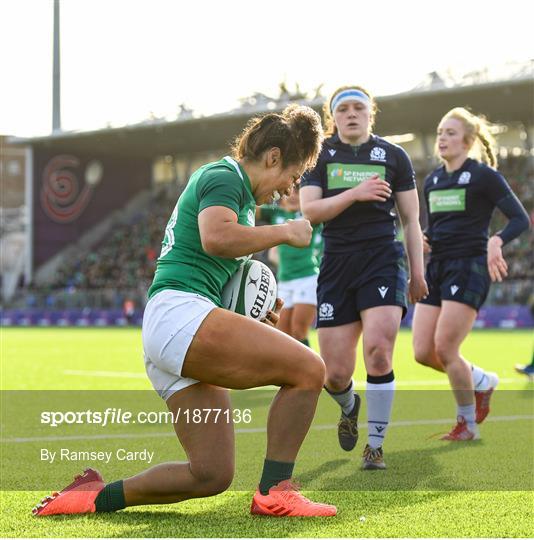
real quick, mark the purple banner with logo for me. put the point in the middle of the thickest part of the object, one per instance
(491, 317)
(72, 193)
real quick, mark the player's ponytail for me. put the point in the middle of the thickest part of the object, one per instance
(477, 136)
(297, 132)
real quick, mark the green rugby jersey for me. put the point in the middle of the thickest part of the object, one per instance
(183, 265)
(294, 262)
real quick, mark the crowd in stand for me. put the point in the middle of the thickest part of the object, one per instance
(125, 261)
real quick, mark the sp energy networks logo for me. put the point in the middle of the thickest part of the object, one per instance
(348, 175)
(63, 196)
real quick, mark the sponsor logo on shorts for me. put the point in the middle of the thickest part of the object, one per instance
(378, 154)
(326, 312)
(383, 291)
(465, 177)
(454, 289)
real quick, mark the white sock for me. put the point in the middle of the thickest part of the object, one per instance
(481, 381)
(379, 402)
(345, 398)
(468, 412)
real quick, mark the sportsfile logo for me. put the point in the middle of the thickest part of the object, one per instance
(263, 292)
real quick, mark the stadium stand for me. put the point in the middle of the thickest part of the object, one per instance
(112, 269)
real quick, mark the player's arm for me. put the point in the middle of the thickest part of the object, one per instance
(408, 207)
(319, 210)
(222, 236)
(518, 221)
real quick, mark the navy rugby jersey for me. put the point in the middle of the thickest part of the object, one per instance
(459, 209)
(362, 225)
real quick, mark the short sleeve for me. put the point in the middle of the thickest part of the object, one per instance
(220, 187)
(405, 177)
(314, 177)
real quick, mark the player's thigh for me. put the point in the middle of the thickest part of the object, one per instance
(453, 326)
(234, 351)
(286, 316)
(203, 421)
(302, 318)
(380, 328)
(338, 346)
(425, 320)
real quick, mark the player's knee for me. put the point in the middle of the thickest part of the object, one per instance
(422, 354)
(379, 357)
(314, 372)
(213, 478)
(445, 350)
(338, 380)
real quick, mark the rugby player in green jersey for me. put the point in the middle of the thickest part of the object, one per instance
(297, 271)
(195, 350)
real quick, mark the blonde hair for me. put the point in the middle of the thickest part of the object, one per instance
(481, 143)
(330, 124)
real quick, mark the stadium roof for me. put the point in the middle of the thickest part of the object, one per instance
(416, 111)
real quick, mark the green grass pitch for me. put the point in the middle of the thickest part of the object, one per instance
(431, 488)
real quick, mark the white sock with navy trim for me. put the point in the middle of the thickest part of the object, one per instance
(379, 394)
(481, 381)
(345, 398)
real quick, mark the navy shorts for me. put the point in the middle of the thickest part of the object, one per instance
(463, 280)
(351, 283)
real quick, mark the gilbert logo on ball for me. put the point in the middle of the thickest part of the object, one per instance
(251, 291)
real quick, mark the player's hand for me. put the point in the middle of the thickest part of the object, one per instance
(273, 316)
(417, 289)
(497, 266)
(299, 232)
(372, 189)
(426, 244)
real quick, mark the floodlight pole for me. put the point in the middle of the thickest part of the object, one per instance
(56, 90)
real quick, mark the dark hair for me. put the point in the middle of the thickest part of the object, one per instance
(297, 131)
(331, 128)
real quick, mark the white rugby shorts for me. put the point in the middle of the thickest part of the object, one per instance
(170, 322)
(298, 291)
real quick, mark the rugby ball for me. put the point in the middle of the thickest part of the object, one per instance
(251, 291)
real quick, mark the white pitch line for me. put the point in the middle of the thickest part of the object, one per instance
(140, 375)
(87, 373)
(398, 423)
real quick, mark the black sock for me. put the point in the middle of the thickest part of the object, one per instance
(273, 473)
(305, 341)
(111, 498)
